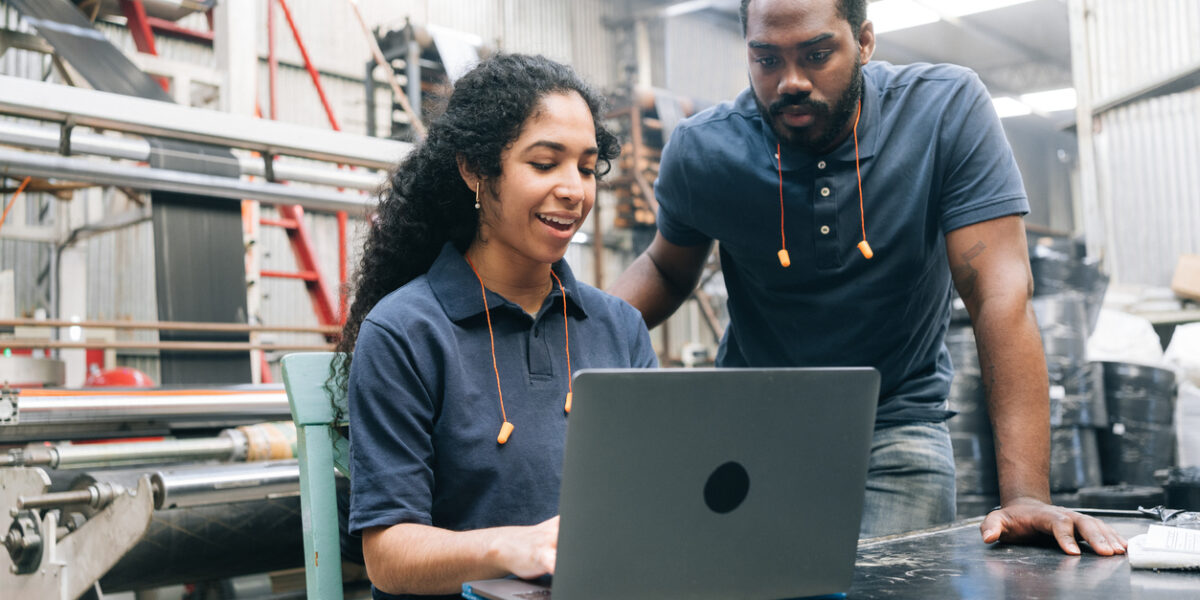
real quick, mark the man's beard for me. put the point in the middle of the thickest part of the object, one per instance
(835, 118)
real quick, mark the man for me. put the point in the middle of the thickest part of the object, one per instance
(776, 175)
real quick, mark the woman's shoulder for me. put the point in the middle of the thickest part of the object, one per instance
(411, 303)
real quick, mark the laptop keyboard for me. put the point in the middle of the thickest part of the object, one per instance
(535, 594)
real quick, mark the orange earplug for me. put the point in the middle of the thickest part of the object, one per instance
(784, 259)
(865, 248)
(567, 408)
(505, 430)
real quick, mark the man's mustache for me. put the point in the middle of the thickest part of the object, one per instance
(789, 101)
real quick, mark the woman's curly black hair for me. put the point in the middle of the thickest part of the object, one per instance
(426, 203)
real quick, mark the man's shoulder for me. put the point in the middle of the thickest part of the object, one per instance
(730, 116)
(887, 76)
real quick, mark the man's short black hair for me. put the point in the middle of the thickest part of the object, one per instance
(854, 11)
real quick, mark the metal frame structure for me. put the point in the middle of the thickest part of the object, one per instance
(73, 107)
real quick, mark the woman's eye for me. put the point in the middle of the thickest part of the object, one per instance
(588, 171)
(542, 166)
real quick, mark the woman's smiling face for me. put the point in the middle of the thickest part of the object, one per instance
(547, 184)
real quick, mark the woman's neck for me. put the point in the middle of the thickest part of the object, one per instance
(525, 283)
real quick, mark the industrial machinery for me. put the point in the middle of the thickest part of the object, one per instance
(206, 492)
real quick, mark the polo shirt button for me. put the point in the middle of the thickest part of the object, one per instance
(824, 230)
(825, 191)
(821, 165)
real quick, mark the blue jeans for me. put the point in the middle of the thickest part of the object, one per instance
(910, 480)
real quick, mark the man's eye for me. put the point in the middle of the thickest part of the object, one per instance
(819, 56)
(767, 61)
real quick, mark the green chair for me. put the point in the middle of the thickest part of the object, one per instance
(322, 449)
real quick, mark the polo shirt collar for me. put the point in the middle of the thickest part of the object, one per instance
(793, 159)
(456, 287)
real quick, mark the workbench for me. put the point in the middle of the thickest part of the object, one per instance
(953, 562)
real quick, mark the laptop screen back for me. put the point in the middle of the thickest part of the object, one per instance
(714, 483)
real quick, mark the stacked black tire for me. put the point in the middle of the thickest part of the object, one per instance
(1141, 439)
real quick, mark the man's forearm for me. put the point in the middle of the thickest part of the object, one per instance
(419, 559)
(1013, 367)
(644, 286)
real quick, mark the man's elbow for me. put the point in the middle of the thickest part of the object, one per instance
(381, 565)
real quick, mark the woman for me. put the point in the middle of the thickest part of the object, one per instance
(466, 326)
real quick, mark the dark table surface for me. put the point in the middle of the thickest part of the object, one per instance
(955, 563)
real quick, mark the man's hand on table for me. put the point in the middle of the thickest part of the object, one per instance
(1024, 519)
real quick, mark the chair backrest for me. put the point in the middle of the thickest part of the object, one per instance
(322, 449)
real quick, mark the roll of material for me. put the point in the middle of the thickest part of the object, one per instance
(960, 342)
(1056, 272)
(1121, 497)
(225, 483)
(1068, 499)
(1062, 314)
(1077, 397)
(1182, 488)
(967, 398)
(187, 545)
(1131, 453)
(974, 463)
(975, 505)
(1137, 394)
(1074, 459)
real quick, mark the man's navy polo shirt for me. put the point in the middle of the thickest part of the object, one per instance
(934, 158)
(424, 413)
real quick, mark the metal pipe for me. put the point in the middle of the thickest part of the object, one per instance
(173, 346)
(75, 456)
(90, 108)
(171, 326)
(47, 138)
(107, 173)
(39, 407)
(97, 496)
(196, 486)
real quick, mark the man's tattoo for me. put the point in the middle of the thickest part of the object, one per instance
(964, 275)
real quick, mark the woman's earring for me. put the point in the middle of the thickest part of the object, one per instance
(477, 185)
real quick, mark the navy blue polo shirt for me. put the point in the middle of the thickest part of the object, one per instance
(424, 412)
(933, 157)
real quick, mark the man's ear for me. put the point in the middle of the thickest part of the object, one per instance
(866, 41)
(468, 177)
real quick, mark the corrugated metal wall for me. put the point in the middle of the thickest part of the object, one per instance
(705, 58)
(31, 262)
(706, 61)
(1146, 151)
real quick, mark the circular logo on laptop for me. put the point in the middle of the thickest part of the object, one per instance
(727, 487)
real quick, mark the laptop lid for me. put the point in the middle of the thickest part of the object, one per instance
(714, 483)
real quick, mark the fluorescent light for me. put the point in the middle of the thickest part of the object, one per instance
(1051, 100)
(958, 8)
(1010, 107)
(891, 15)
(683, 8)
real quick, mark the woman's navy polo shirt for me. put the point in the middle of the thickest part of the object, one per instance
(424, 413)
(934, 158)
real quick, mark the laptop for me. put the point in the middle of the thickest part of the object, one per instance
(709, 483)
